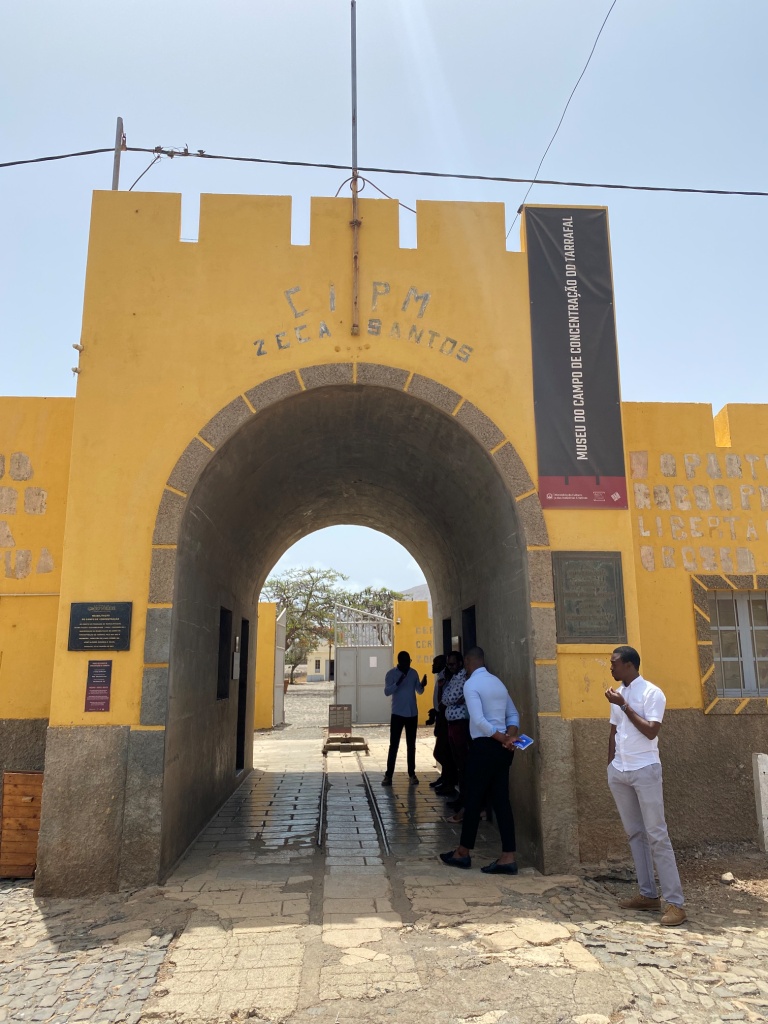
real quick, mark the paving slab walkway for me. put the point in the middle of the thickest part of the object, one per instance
(259, 922)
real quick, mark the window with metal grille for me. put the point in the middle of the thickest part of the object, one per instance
(739, 624)
(317, 664)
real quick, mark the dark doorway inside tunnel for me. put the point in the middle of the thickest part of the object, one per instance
(223, 673)
(447, 637)
(469, 628)
(240, 670)
(367, 455)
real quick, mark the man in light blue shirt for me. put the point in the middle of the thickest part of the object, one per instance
(491, 709)
(493, 726)
(402, 683)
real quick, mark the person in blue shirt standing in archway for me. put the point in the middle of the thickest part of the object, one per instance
(402, 683)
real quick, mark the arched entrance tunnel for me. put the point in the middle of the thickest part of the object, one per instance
(369, 445)
(363, 455)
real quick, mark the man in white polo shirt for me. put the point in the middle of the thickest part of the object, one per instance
(634, 778)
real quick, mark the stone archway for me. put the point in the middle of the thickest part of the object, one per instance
(472, 520)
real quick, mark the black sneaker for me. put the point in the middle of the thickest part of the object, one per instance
(413, 779)
(387, 780)
(437, 782)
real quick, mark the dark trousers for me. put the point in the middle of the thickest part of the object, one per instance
(396, 725)
(458, 737)
(487, 779)
(443, 753)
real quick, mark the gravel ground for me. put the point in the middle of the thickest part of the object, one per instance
(306, 705)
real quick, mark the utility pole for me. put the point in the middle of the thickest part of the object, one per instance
(118, 150)
(355, 184)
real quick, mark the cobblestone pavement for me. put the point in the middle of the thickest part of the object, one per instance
(261, 923)
(81, 960)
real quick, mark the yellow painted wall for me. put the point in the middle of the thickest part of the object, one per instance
(699, 505)
(174, 331)
(698, 494)
(413, 633)
(35, 439)
(583, 668)
(265, 666)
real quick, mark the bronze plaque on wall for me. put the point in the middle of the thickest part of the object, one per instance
(100, 626)
(589, 597)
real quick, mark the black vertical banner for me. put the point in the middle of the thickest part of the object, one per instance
(575, 361)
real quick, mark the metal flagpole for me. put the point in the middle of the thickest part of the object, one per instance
(354, 87)
(355, 182)
(118, 148)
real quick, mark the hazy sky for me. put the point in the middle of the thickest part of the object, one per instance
(368, 558)
(675, 95)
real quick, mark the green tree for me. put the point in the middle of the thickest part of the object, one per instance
(309, 596)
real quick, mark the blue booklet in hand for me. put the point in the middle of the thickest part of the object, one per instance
(522, 742)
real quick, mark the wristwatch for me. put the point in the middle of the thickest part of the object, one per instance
(625, 708)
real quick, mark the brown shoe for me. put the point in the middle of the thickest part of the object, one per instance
(641, 902)
(673, 916)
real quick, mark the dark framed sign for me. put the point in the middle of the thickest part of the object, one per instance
(589, 597)
(339, 718)
(98, 686)
(100, 626)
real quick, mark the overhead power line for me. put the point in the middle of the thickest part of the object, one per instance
(562, 116)
(133, 186)
(367, 181)
(502, 179)
(60, 156)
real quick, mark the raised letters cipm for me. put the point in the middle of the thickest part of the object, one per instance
(414, 305)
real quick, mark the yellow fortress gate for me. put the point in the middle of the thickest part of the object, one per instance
(225, 408)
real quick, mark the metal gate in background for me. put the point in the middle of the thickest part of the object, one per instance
(364, 655)
(278, 705)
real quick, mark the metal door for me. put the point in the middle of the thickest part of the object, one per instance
(278, 706)
(360, 675)
(346, 678)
